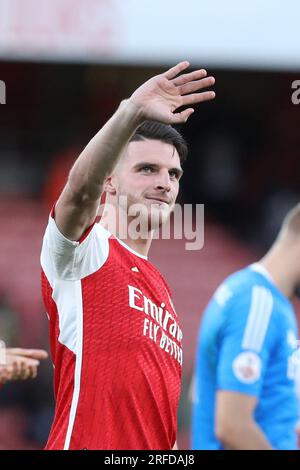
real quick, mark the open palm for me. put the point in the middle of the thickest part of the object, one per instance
(160, 97)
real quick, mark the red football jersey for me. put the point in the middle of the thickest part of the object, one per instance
(115, 344)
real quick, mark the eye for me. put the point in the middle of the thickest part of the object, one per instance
(174, 175)
(146, 169)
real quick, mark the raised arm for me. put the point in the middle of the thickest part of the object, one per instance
(156, 100)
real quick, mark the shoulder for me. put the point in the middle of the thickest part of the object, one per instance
(237, 289)
(65, 259)
(250, 303)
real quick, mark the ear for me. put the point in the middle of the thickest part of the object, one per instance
(109, 185)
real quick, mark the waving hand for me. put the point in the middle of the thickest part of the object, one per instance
(160, 97)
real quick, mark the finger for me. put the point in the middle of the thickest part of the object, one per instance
(179, 118)
(31, 372)
(172, 72)
(17, 369)
(25, 375)
(25, 370)
(34, 373)
(188, 77)
(22, 375)
(198, 98)
(29, 362)
(7, 373)
(191, 87)
(34, 353)
(23, 367)
(18, 362)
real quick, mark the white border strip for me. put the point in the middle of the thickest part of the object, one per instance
(78, 363)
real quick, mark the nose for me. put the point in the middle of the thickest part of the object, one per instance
(163, 181)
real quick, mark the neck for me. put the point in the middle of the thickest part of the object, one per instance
(279, 263)
(119, 225)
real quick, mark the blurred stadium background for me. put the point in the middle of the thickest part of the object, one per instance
(66, 65)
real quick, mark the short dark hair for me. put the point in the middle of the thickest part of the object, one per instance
(164, 132)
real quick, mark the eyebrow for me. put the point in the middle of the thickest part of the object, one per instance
(178, 170)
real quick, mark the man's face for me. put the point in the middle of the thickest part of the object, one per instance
(149, 174)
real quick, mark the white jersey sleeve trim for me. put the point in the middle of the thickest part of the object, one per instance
(258, 319)
(69, 260)
(78, 363)
(65, 298)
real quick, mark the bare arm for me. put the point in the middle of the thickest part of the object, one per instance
(77, 206)
(157, 100)
(235, 426)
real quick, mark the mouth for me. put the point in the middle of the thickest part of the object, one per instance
(158, 200)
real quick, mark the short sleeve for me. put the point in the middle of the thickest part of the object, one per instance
(70, 260)
(245, 342)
